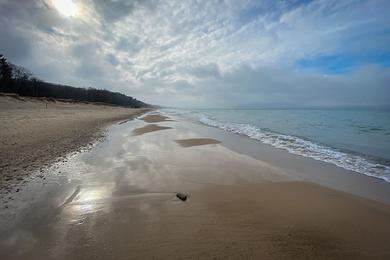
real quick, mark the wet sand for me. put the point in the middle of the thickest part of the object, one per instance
(293, 220)
(36, 132)
(155, 118)
(117, 201)
(196, 142)
(149, 128)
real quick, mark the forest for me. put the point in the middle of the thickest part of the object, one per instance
(18, 80)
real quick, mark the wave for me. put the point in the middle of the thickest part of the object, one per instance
(297, 145)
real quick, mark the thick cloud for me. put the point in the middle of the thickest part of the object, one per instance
(15, 45)
(249, 87)
(206, 53)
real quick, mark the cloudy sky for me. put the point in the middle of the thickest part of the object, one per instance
(226, 53)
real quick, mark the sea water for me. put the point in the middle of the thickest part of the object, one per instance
(354, 139)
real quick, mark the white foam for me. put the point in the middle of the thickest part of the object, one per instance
(298, 146)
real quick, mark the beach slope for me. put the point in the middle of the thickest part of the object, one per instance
(35, 132)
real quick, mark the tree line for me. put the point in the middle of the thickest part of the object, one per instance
(16, 79)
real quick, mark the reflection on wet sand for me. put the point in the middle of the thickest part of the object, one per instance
(196, 142)
(120, 202)
(115, 195)
(149, 128)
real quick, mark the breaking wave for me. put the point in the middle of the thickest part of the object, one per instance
(299, 146)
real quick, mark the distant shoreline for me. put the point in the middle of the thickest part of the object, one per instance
(38, 131)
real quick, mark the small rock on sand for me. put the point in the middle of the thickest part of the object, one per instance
(181, 196)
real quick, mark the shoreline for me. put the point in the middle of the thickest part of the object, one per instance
(37, 132)
(118, 200)
(296, 136)
(300, 167)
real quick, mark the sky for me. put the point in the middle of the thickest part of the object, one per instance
(208, 53)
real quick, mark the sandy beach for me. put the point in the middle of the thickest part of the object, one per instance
(240, 129)
(36, 132)
(118, 201)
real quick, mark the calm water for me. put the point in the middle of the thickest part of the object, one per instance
(355, 139)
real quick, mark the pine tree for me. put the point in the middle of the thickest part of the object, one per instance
(5, 69)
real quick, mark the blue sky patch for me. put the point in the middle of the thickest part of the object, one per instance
(338, 64)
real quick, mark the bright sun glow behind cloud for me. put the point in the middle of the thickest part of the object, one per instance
(66, 7)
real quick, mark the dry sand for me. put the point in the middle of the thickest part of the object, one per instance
(196, 142)
(35, 132)
(149, 128)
